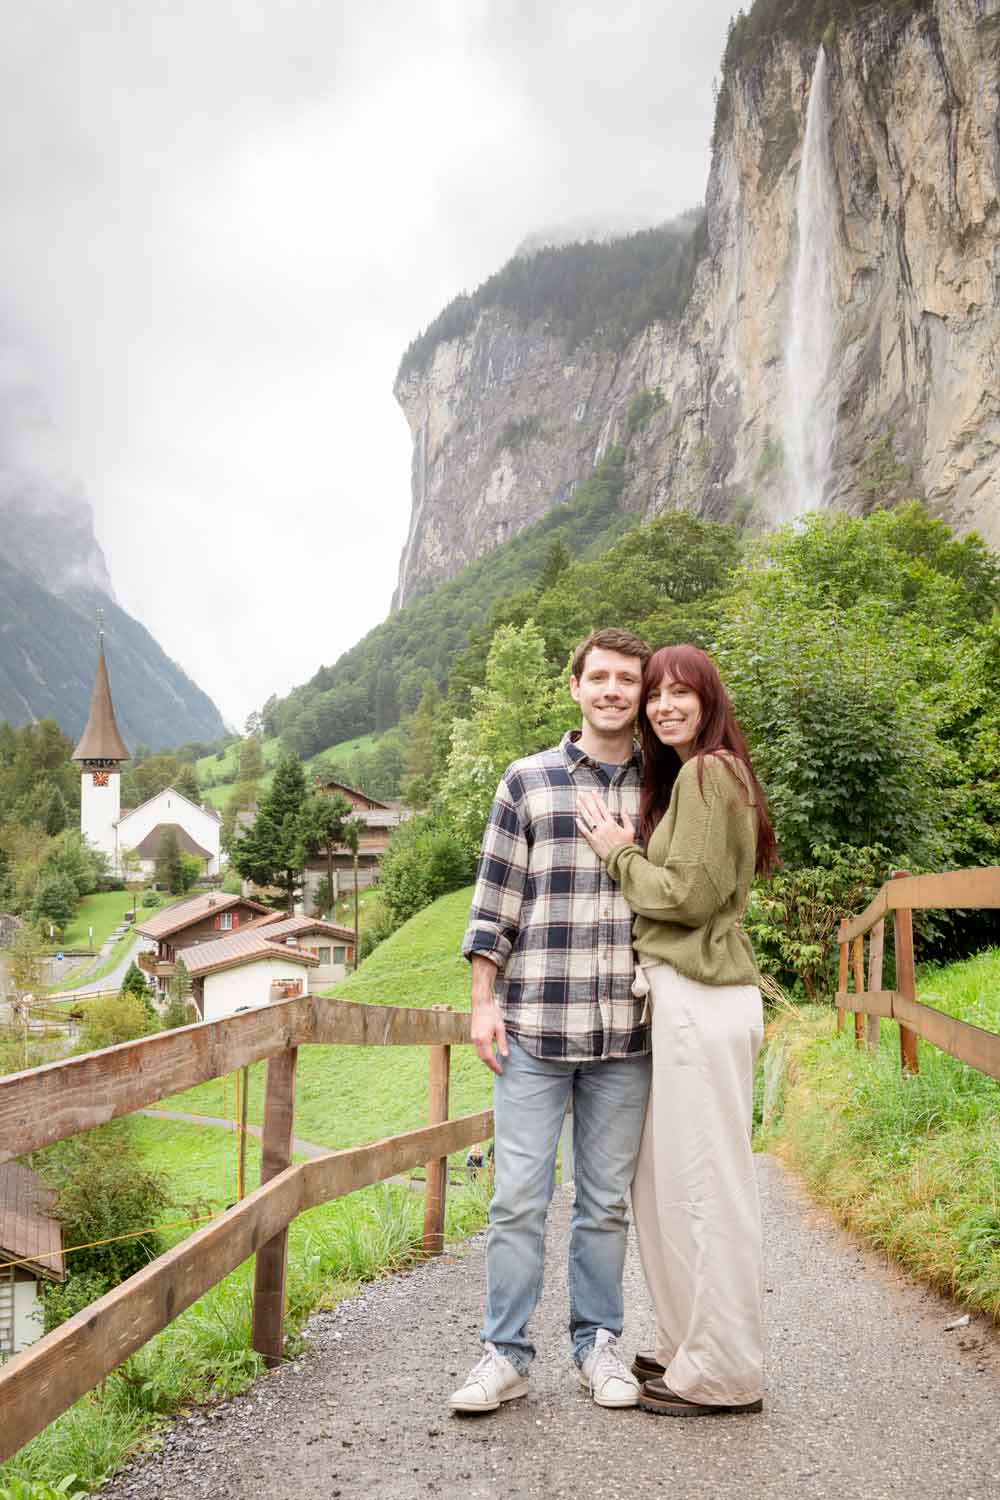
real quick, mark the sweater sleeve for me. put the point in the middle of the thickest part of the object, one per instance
(693, 884)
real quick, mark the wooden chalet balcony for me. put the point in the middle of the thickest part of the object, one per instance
(159, 968)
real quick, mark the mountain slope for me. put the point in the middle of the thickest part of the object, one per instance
(53, 581)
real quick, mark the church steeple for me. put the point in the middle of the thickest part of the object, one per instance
(101, 743)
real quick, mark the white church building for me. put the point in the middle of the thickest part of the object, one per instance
(99, 755)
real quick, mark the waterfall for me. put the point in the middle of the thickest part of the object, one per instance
(810, 403)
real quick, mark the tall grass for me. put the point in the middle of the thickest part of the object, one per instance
(911, 1163)
(205, 1353)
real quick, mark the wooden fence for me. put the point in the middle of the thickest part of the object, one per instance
(902, 895)
(49, 1103)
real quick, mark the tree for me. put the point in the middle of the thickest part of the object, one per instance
(324, 819)
(192, 869)
(55, 813)
(112, 1019)
(424, 751)
(25, 960)
(522, 706)
(186, 782)
(425, 859)
(252, 765)
(169, 870)
(55, 903)
(243, 796)
(273, 851)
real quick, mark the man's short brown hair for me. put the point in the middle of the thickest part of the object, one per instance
(623, 641)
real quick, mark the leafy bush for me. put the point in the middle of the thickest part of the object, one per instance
(62, 1300)
(102, 1192)
(16, 1488)
(425, 859)
(150, 898)
(792, 919)
(112, 1019)
(178, 1012)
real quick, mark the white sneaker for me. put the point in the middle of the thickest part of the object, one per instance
(606, 1375)
(492, 1380)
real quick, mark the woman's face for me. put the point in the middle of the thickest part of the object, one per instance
(674, 713)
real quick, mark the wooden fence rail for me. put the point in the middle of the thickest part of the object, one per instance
(902, 895)
(49, 1103)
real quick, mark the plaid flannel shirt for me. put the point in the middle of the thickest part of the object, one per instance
(548, 914)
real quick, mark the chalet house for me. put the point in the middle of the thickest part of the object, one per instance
(29, 1235)
(197, 829)
(332, 945)
(246, 970)
(379, 818)
(201, 919)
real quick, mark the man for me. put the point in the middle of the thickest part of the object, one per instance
(554, 1017)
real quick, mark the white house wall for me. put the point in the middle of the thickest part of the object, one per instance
(169, 806)
(248, 985)
(27, 1328)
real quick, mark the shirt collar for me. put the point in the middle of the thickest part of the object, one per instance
(575, 757)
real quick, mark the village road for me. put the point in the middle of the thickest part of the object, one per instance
(868, 1396)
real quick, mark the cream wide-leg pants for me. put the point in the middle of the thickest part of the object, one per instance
(694, 1198)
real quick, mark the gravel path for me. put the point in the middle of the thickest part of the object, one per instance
(867, 1396)
(299, 1148)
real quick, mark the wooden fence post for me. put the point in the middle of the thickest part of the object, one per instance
(269, 1273)
(436, 1186)
(906, 979)
(876, 948)
(858, 965)
(842, 983)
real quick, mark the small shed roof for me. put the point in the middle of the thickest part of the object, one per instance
(162, 924)
(241, 948)
(27, 1230)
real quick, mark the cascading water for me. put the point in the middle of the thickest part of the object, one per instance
(810, 404)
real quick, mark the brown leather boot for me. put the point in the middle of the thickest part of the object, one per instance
(657, 1397)
(645, 1367)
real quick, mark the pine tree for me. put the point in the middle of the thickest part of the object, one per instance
(169, 870)
(273, 852)
(186, 782)
(55, 813)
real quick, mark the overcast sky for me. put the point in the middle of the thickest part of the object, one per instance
(225, 219)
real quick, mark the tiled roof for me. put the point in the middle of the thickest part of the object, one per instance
(27, 1232)
(299, 926)
(163, 923)
(241, 948)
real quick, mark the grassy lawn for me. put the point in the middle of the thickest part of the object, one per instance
(209, 767)
(348, 1095)
(103, 912)
(910, 1163)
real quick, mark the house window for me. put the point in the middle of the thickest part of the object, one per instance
(324, 955)
(225, 921)
(340, 955)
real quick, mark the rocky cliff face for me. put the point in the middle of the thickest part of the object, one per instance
(891, 334)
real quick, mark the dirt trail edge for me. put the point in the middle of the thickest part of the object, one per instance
(867, 1396)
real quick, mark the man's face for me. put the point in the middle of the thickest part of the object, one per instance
(608, 690)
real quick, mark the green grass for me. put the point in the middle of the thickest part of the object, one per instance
(348, 1095)
(103, 912)
(345, 1096)
(218, 796)
(911, 1163)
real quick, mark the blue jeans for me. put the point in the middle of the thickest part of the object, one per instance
(529, 1100)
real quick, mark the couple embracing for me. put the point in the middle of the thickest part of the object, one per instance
(610, 973)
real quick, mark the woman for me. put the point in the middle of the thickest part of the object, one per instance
(704, 826)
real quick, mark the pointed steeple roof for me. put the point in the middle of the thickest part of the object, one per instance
(101, 739)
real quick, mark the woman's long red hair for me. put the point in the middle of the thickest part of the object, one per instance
(717, 730)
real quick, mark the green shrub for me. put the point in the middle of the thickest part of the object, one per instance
(150, 898)
(113, 1019)
(425, 859)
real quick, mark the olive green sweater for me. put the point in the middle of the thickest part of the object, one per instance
(690, 888)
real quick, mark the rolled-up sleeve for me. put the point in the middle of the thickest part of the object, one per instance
(495, 917)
